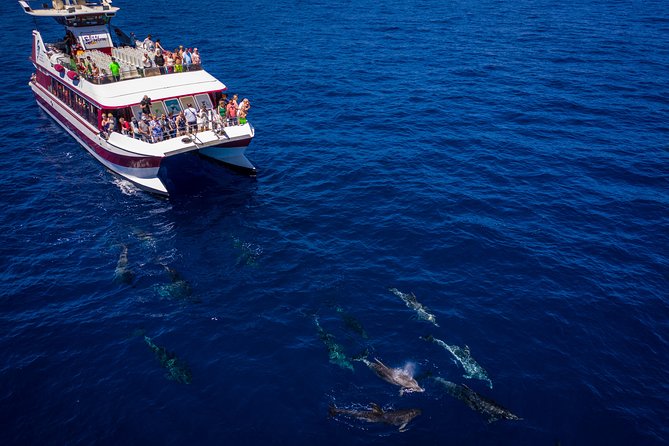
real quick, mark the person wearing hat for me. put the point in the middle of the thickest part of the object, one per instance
(196, 58)
(115, 69)
(143, 125)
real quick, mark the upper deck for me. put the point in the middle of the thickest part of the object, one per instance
(71, 10)
(130, 90)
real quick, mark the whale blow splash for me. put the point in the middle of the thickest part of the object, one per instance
(402, 377)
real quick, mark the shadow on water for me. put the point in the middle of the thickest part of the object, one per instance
(188, 175)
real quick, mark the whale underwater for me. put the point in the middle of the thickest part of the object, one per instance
(411, 302)
(335, 350)
(177, 370)
(123, 274)
(492, 410)
(472, 368)
(375, 414)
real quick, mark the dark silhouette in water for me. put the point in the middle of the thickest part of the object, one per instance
(178, 288)
(335, 351)
(177, 370)
(398, 418)
(122, 274)
(477, 402)
(351, 322)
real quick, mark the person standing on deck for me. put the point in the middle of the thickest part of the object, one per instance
(191, 118)
(115, 69)
(187, 60)
(148, 44)
(197, 61)
(146, 105)
(244, 107)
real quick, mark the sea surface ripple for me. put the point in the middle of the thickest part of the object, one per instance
(505, 161)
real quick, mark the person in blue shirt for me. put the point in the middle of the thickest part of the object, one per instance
(188, 60)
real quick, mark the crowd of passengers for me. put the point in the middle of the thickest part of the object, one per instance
(155, 56)
(181, 59)
(152, 128)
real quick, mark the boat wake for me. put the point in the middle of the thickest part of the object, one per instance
(126, 187)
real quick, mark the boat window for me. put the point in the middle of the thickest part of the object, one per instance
(137, 111)
(173, 106)
(200, 98)
(157, 108)
(187, 100)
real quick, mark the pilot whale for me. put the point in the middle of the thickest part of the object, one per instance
(177, 370)
(122, 274)
(351, 322)
(178, 288)
(335, 351)
(477, 402)
(411, 302)
(464, 357)
(399, 418)
(402, 377)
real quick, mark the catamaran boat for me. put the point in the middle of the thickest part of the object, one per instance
(80, 100)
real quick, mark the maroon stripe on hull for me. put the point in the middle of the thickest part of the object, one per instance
(134, 162)
(239, 143)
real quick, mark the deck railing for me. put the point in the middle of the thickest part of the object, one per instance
(128, 68)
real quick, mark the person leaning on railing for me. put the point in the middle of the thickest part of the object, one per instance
(159, 60)
(178, 62)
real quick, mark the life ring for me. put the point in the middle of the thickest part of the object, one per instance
(72, 75)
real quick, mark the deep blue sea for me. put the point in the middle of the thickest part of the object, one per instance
(505, 161)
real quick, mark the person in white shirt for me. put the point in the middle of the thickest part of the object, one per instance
(191, 118)
(148, 44)
(146, 61)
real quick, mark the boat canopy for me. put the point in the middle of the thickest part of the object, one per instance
(72, 11)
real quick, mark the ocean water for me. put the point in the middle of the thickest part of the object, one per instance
(505, 161)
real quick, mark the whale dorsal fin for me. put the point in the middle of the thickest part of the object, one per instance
(376, 409)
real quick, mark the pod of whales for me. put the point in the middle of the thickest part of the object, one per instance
(411, 302)
(375, 414)
(464, 357)
(477, 402)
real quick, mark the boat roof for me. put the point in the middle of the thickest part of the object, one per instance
(71, 8)
(131, 91)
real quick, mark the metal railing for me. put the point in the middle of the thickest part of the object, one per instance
(127, 71)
